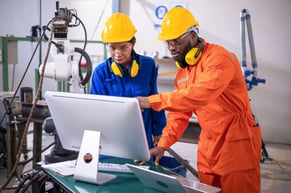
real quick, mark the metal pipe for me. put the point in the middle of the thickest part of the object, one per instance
(183, 162)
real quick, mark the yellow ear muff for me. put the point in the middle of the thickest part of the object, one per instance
(190, 58)
(193, 56)
(133, 69)
(116, 69)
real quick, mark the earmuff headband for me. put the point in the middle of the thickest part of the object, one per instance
(133, 67)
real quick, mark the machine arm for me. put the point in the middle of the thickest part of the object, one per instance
(245, 21)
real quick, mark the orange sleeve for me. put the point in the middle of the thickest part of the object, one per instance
(209, 84)
(176, 125)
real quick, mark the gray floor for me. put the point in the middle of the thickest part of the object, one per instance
(275, 174)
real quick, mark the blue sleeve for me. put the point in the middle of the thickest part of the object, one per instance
(97, 81)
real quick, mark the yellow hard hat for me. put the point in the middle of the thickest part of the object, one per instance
(176, 22)
(118, 28)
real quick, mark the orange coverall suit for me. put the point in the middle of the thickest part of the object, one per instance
(229, 145)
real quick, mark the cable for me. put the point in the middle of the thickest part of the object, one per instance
(83, 81)
(89, 65)
(20, 185)
(36, 177)
(44, 179)
(30, 115)
(25, 176)
(74, 13)
(30, 159)
(22, 78)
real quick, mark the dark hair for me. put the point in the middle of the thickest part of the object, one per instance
(132, 40)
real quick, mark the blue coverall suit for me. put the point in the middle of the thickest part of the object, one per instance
(105, 82)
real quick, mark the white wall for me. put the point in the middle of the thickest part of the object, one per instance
(219, 23)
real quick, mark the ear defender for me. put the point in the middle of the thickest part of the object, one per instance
(116, 69)
(193, 56)
(133, 69)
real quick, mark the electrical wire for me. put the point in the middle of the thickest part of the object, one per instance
(22, 78)
(43, 179)
(25, 177)
(30, 115)
(21, 184)
(36, 177)
(43, 150)
(83, 80)
(74, 12)
(89, 65)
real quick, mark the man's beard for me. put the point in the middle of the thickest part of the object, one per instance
(181, 59)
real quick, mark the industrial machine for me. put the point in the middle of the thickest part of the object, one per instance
(64, 67)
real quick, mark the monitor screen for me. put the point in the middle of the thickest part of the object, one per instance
(119, 120)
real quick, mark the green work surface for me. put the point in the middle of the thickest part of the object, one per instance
(124, 182)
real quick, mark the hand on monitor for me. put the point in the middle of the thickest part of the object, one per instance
(144, 102)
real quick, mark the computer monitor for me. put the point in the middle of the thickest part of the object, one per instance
(119, 120)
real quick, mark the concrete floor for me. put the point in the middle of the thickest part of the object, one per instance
(275, 174)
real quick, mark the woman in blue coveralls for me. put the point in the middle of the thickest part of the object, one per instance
(127, 73)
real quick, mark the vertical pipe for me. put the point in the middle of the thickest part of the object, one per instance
(37, 77)
(5, 63)
(115, 6)
(40, 25)
(59, 86)
(251, 41)
(243, 43)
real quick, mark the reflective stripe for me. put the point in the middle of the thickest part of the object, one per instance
(182, 80)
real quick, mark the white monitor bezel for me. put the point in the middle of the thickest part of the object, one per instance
(75, 112)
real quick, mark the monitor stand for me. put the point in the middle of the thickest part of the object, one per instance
(87, 163)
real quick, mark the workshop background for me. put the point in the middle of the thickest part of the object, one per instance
(219, 23)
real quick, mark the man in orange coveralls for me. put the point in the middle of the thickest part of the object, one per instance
(209, 82)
